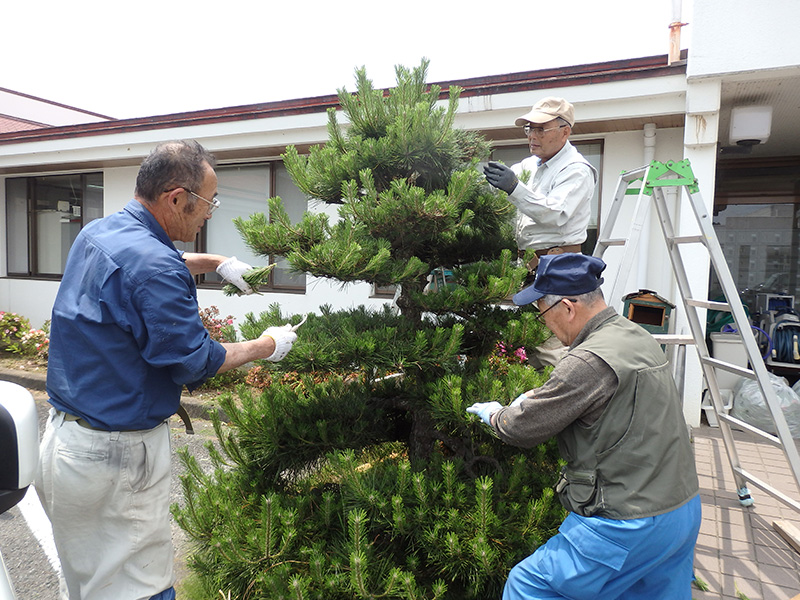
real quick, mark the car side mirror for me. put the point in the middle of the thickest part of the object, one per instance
(19, 443)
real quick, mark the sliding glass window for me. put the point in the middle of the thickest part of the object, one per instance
(43, 217)
(243, 191)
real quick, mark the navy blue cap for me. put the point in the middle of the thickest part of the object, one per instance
(568, 274)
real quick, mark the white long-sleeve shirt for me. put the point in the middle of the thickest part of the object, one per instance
(553, 209)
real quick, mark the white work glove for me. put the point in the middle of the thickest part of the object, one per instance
(232, 270)
(485, 410)
(519, 399)
(284, 338)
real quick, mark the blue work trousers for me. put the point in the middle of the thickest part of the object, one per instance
(168, 594)
(592, 558)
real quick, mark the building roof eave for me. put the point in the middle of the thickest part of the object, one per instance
(594, 73)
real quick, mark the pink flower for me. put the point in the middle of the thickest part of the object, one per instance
(520, 354)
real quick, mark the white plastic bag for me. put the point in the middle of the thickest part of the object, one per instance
(750, 406)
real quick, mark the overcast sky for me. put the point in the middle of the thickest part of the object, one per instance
(152, 57)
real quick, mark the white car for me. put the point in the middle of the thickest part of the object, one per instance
(19, 449)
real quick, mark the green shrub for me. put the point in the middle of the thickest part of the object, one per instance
(316, 507)
(356, 472)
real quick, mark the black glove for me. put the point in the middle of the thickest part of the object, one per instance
(500, 176)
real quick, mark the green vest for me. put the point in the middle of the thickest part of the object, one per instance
(636, 460)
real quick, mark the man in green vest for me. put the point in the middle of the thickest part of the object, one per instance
(629, 484)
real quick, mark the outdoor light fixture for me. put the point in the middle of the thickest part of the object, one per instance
(750, 125)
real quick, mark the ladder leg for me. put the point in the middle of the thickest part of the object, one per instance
(742, 321)
(631, 241)
(623, 183)
(698, 334)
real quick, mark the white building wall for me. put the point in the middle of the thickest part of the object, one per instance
(739, 36)
(623, 151)
(118, 186)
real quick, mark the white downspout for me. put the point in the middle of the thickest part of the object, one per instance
(649, 142)
(644, 240)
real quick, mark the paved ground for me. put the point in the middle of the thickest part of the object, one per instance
(739, 550)
(739, 554)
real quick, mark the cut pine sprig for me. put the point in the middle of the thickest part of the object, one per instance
(254, 277)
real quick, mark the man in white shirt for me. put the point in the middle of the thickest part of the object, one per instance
(552, 190)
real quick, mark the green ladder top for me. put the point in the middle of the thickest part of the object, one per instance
(658, 176)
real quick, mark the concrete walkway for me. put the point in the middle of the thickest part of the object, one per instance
(739, 550)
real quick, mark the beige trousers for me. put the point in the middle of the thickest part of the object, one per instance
(107, 497)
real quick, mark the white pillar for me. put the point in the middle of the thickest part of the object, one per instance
(700, 141)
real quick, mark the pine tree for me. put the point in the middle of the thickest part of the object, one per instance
(357, 472)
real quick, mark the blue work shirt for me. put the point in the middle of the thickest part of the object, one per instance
(126, 334)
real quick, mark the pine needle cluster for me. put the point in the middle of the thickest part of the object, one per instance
(357, 473)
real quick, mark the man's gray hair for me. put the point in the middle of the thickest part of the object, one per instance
(170, 165)
(587, 298)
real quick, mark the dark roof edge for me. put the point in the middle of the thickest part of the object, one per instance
(636, 68)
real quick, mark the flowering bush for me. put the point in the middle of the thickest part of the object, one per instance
(220, 330)
(35, 342)
(12, 328)
(503, 355)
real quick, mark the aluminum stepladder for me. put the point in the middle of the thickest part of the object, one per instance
(653, 180)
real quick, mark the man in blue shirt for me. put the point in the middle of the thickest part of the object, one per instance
(126, 336)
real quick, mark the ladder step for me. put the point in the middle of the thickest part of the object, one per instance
(688, 239)
(673, 339)
(772, 439)
(729, 367)
(709, 304)
(613, 242)
(762, 485)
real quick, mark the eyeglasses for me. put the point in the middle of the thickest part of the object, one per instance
(212, 204)
(539, 131)
(540, 316)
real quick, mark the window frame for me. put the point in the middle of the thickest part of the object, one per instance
(32, 193)
(203, 281)
(751, 183)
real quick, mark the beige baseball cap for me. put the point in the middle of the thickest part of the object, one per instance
(546, 110)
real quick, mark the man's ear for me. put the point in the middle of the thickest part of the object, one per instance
(172, 195)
